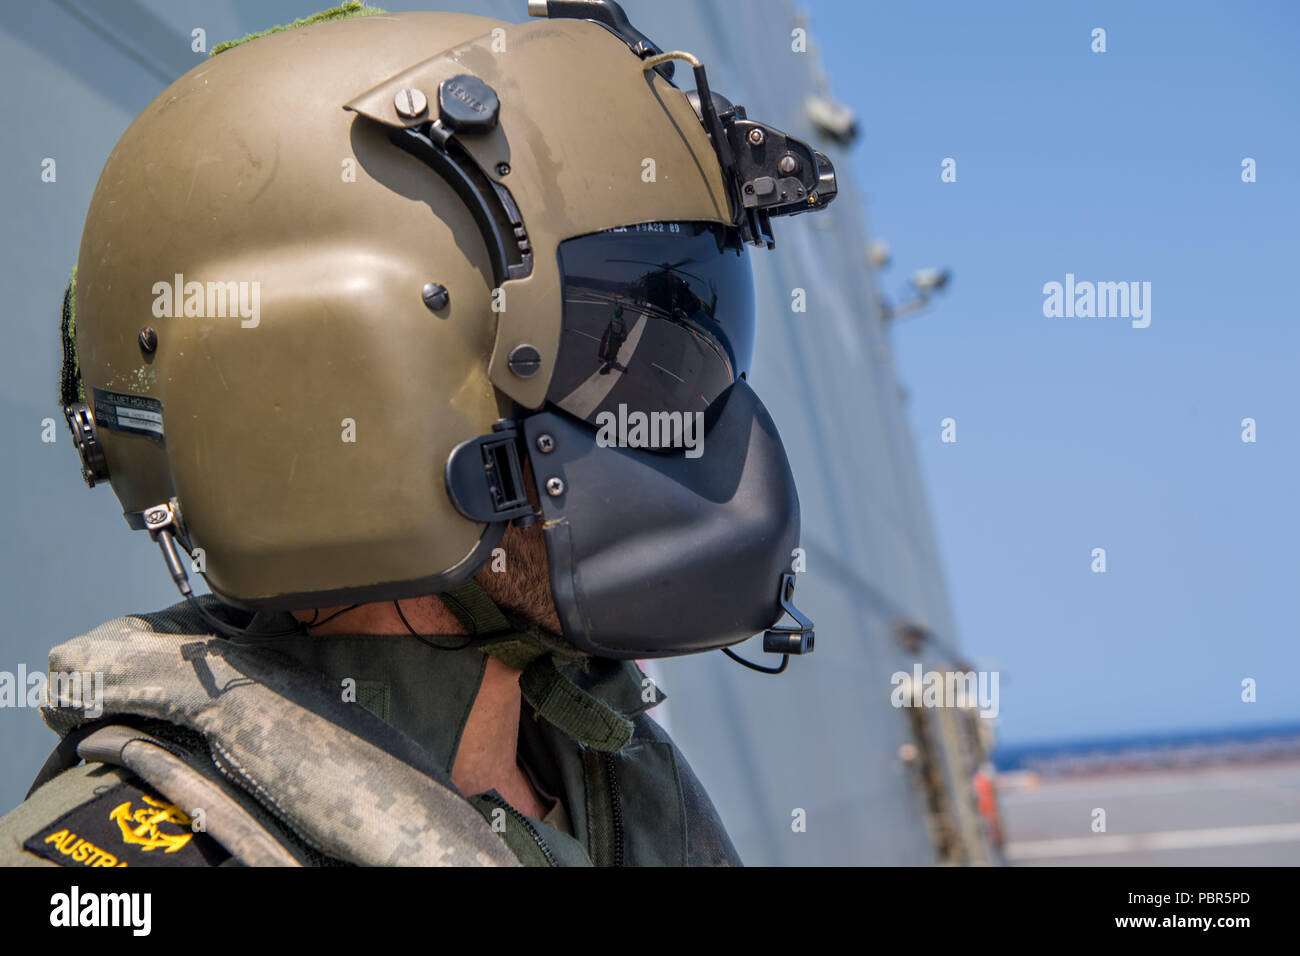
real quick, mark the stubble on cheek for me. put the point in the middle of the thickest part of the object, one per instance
(524, 587)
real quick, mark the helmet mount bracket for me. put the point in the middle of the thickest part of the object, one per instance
(769, 173)
(485, 480)
(609, 15)
(467, 105)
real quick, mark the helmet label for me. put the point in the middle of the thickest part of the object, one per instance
(138, 414)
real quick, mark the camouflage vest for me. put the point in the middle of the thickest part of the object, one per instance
(289, 771)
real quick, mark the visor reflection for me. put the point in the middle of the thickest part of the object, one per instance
(657, 317)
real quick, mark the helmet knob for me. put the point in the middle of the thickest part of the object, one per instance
(467, 105)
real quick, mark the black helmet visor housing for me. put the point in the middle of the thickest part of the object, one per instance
(658, 317)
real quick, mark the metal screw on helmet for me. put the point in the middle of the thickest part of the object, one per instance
(787, 165)
(545, 444)
(410, 103)
(503, 169)
(525, 361)
(435, 296)
(148, 340)
(756, 137)
(554, 487)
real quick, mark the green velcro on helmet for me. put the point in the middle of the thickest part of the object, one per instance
(349, 8)
(71, 388)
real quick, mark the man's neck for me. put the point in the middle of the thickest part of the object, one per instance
(486, 758)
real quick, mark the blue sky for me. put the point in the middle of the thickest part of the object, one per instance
(1077, 433)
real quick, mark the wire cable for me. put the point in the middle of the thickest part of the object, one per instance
(785, 659)
(316, 613)
(425, 640)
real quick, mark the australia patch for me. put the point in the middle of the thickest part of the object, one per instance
(127, 825)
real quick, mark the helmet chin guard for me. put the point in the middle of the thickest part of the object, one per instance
(659, 555)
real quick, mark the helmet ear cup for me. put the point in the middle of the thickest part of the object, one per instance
(657, 555)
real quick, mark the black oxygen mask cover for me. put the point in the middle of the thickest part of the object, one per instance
(660, 554)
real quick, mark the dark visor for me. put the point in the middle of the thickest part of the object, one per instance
(658, 317)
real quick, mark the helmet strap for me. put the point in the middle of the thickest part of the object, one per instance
(542, 657)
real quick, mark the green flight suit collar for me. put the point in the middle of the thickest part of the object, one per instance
(425, 688)
(427, 692)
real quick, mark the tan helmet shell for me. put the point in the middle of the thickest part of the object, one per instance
(249, 169)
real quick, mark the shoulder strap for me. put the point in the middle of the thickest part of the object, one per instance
(153, 762)
(62, 757)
